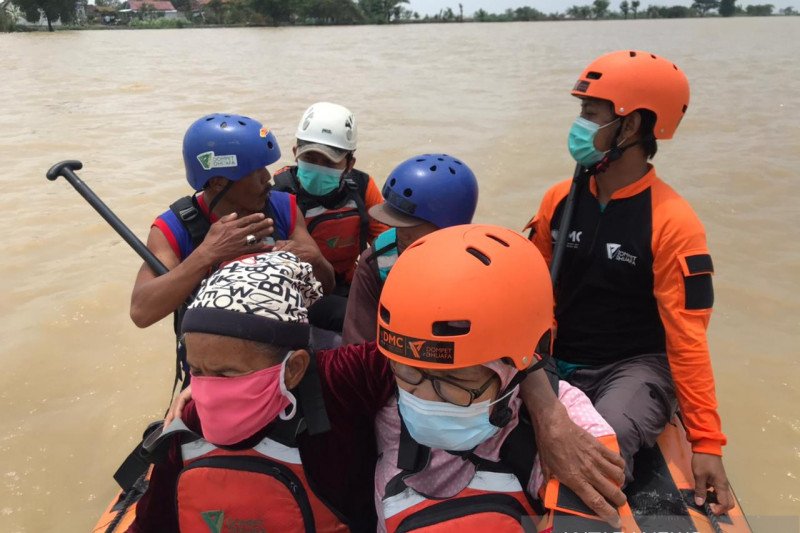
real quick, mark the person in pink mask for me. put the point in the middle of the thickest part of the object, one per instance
(264, 444)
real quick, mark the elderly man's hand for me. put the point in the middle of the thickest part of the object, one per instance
(579, 461)
(571, 454)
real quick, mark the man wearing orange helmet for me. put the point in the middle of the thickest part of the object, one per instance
(634, 294)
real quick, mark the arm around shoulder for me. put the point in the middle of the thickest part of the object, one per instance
(361, 317)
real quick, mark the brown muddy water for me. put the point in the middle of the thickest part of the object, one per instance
(79, 381)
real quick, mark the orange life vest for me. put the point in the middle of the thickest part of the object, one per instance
(339, 223)
(259, 489)
(493, 501)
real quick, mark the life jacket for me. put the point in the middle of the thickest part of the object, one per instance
(263, 488)
(186, 223)
(384, 254)
(495, 500)
(338, 222)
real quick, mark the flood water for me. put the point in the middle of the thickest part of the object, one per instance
(79, 381)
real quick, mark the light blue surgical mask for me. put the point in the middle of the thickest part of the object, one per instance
(318, 180)
(445, 426)
(581, 141)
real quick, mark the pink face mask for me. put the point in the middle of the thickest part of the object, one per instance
(233, 409)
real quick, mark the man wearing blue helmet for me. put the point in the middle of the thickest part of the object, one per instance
(422, 194)
(233, 212)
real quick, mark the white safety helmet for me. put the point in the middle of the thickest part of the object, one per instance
(327, 124)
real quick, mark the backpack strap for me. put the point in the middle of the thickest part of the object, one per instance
(356, 192)
(188, 212)
(383, 244)
(519, 449)
(309, 393)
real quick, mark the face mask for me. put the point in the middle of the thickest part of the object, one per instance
(445, 426)
(233, 409)
(316, 179)
(581, 141)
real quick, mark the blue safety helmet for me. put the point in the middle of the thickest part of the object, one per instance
(230, 146)
(436, 188)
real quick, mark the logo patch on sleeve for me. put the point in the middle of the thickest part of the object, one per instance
(442, 352)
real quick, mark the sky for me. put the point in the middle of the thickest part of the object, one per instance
(431, 7)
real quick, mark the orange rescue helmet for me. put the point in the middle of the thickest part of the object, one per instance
(631, 80)
(464, 296)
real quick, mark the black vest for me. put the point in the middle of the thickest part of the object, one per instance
(605, 307)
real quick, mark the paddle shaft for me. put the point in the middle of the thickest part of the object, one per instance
(67, 169)
(566, 220)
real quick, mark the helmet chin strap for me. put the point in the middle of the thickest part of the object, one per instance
(218, 197)
(614, 153)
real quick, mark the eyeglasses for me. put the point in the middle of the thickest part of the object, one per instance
(445, 389)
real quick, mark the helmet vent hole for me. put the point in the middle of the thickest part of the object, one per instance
(433, 168)
(451, 328)
(675, 67)
(594, 75)
(498, 239)
(685, 107)
(209, 119)
(654, 57)
(440, 158)
(392, 182)
(482, 257)
(385, 315)
(242, 123)
(223, 125)
(420, 160)
(458, 162)
(452, 170)
(632, 53)
(227, 116)
(407, 193)
(270, 145)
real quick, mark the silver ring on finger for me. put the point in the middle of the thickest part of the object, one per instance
(250, 240)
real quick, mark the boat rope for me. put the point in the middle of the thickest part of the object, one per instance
(135, 492)
(712, 518)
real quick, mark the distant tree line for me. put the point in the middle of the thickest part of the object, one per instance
(599, 9)
(319, 12)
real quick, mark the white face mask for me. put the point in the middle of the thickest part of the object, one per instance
(444, 426)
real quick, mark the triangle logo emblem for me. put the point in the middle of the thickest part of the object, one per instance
(214, 520)
(612, 248)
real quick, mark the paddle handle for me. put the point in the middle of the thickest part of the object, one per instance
(566, 219)
(67, 169)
